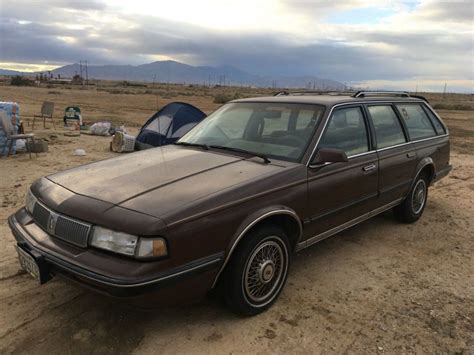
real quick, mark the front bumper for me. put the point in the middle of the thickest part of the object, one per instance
(192, 279)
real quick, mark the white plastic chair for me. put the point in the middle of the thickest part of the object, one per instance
(11, 136)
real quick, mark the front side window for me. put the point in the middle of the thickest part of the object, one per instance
(346, 131)
(265, 128)
(388, 130)
(417, 122)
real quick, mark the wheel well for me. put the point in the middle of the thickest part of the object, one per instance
(429, 171)
(289, 224)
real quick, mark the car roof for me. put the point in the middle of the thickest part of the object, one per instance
(327, 100)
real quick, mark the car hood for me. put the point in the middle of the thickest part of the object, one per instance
(158, 180)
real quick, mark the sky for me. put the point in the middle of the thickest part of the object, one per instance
(400, 45)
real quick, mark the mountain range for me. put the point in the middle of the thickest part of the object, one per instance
(176, 72)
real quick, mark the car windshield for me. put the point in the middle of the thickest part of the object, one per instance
(278, 130)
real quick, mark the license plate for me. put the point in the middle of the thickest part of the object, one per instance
(28, 263)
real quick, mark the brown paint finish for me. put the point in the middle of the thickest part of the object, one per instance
(202, 201)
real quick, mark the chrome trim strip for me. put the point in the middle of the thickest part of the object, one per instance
(361, 154)
(430, 138)
(373, 102)
(393, 146)
(246, 229)
(317, 238)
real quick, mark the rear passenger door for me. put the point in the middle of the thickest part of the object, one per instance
(341, 192)
(397, 156)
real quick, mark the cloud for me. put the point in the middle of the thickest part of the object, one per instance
(427, 41)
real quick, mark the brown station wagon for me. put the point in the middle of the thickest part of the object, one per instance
(232, 201)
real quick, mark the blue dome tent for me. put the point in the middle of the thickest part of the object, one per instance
(168, 125)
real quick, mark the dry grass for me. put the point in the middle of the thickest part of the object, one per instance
(119, 102)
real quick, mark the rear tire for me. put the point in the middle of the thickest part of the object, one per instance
(257, 271)
(411, 209)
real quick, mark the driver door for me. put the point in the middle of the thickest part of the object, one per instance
(341, 192)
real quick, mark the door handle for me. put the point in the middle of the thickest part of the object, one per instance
(369, 167)
(411, 155)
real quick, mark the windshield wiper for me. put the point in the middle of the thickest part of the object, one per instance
(187, 144)
(242, 151)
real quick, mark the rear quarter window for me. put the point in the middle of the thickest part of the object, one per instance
(435, 120)
(416, 120)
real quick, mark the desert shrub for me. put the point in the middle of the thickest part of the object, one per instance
(54, 92)
(457, 107)
(222, 98)
(18, 80)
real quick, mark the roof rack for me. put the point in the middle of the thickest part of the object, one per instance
(381, 93)
(388, 93)
(313, 92)
(358, 94)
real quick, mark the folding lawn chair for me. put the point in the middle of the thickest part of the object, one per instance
(47, 110)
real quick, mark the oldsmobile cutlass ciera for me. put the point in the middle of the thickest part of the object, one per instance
(232, 201)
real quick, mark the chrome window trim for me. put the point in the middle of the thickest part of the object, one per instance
(430, 138)
(393, 146)
(373, 102)
(361, 154)
(247, 228)
(349, 157)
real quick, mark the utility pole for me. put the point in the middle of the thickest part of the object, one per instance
(87, 75)
(80, 71)
(444, 91)
(209, 80)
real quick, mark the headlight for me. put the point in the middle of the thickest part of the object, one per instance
(30, 201)
(117, 242)
(127, 244)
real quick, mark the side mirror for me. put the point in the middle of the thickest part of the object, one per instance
(329, 155)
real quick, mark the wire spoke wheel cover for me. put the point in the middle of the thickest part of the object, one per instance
(418, 197)
(265, 271)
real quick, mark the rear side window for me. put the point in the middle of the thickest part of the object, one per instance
(346, 131)
(388, 130)
(418, 124)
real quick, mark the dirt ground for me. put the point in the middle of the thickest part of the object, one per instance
(379, 287)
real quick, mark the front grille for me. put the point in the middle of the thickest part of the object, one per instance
(72, 231)
(41, 215)
(62, 227)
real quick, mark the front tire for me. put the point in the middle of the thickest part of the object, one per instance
(411, 209)
(257, 271)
